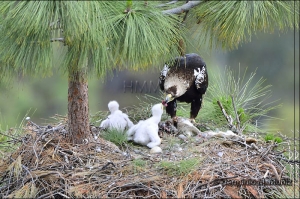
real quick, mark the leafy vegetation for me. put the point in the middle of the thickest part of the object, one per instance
(271, 137)
(179, 168)
(182, 110)
(9, 134)
(137, 27)
(227, 24)
(288, 191)
(138, 165)
(115, 136)
(278, 139)
(98, 117)
(250, 99)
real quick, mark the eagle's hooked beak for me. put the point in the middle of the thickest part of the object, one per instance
(168, 98)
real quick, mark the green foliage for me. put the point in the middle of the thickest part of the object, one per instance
(139, 162)
(242, 115)
(110, 37)
(277, 139)
(182, 167)
(138, 165)
(226, 102)
(7, 135)
(143, 36)
(229, 23)
(271, 137)
(288, 191)
(25, 45)
(98, 116)
(250, 98)
(182, 110)
(115, 136)
(99, 36)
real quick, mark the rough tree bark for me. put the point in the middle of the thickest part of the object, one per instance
(78, 108)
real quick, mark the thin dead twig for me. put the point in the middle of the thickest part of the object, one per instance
(273, 168)
(228, 117)
(238, 129)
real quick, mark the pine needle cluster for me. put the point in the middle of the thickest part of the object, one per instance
(251, 99)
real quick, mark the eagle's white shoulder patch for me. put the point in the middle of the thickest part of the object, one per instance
(164, 70)
(199, 75)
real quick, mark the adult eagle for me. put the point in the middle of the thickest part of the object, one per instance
(185, 80)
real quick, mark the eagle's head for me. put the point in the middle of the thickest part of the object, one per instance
(174, 90)
(167, 99)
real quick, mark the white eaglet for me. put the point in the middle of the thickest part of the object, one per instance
(117, 119)
(146, 131)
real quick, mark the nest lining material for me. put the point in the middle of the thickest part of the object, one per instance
(45, 166)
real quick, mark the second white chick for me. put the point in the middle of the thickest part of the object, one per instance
(117, 119)
(146, 131)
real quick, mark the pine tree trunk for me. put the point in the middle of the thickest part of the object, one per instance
(78, 107)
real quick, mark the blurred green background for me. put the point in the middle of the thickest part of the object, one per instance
(271, 55)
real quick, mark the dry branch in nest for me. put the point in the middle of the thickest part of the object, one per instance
(45, 166)
(235, 129)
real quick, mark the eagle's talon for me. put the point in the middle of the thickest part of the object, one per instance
(193, 121)
(196, 124)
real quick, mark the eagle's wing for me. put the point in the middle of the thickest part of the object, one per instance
(105, 123)
(201, 79)
(129, 122)
(162, 76)
(133, 128)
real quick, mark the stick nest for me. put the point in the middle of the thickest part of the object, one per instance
(45, 166)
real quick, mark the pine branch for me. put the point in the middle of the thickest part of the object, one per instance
(183, 8)
(166, 4)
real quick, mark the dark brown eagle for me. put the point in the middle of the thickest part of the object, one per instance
(185, 80)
